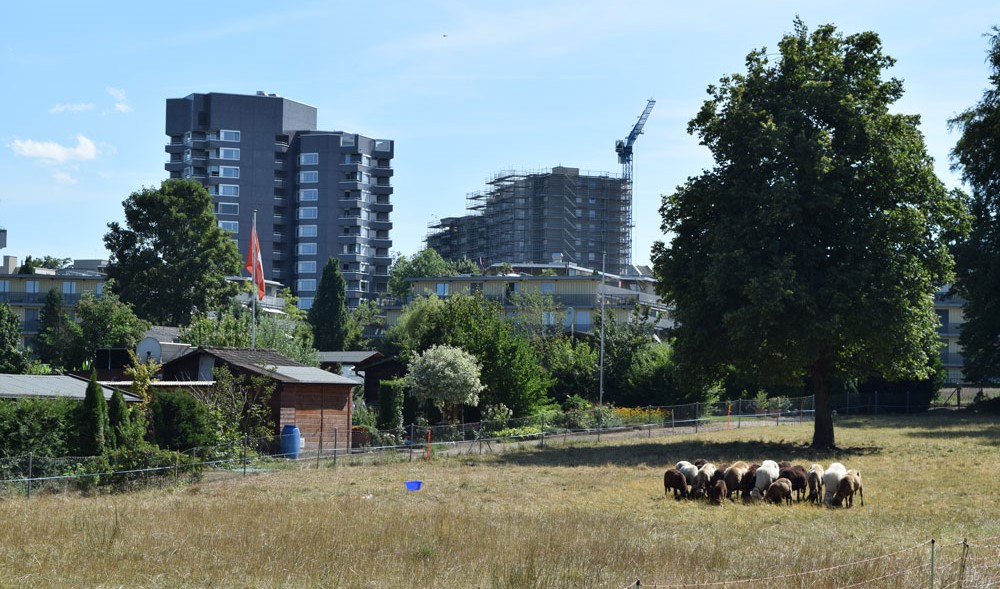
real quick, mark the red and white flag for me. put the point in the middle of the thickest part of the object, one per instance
(255, 266)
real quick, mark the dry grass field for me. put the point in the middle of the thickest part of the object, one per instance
(581, 516)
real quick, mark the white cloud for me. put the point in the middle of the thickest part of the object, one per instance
(119, 95)
(52, 152)
(71, 108)
(63, 178)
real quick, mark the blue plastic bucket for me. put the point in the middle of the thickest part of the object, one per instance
(414, 485)
(290, 441)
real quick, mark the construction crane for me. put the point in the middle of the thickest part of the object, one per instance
(624, 149)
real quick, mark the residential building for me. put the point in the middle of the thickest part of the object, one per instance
(531, 216)
(25, 293)
(951, 318)
(575, 292)
(317, 194)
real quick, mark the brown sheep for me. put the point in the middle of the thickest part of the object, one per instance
(674, 480)
(779, 490)
(849, 485)
(717, 492)
(748, 482)
(733, 476)
(799, 477)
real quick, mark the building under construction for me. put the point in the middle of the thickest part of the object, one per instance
(535, 217)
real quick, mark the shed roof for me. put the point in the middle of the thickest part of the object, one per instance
(345, 357)
(272, 364)
(49, 386)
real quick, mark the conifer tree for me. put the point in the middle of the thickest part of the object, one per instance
(328, 314)
(93, 420)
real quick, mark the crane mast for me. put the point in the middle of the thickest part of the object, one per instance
(624, 149)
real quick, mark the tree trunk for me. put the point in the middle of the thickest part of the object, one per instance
(823, 421)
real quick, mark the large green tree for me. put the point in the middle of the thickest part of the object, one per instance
(107, 322)
(977, 155)
(424, 263)
(328, 314)
(511, 370)
(57, 334)
(814, 245)
(171, 258)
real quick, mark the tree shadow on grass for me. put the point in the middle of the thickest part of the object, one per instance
(668, 453)
(939, 425)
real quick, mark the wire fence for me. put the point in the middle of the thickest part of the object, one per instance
(30, 474)
(961, 565)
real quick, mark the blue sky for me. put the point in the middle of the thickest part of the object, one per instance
(466, 90)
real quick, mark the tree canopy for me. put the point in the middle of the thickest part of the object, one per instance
(447, 376)
(328, 314)
(171, 259)
(511, 370)
(812, 248)
(424, 263)
(977, 155)
(12, 359)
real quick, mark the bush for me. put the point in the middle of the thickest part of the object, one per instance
(39, 426)
(391, 395)
(181, 422)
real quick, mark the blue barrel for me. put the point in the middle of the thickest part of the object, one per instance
(290, 441)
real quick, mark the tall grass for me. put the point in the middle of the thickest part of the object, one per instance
(587, 515)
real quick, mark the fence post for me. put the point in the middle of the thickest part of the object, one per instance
(176, 475)
(932, 563)
(335, 440)
(319, 451)
(30, 474)
(907, 401)
(961, 564)
(244, 455)
(543, 430)
(739, 414)
(696, 414)
(411, 441)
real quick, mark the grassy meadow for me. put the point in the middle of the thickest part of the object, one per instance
(574, 516)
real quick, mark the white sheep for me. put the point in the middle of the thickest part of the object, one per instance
(815, 479)
(689, 470)
(831, 481)
(703, 480)
(766, 474)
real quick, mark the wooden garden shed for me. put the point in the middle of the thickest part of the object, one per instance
(316, 401)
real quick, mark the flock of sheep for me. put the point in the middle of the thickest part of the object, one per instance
(770, 481)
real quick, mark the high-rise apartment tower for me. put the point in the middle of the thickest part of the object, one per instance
(317, 193)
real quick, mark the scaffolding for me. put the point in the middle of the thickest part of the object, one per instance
(532, 216)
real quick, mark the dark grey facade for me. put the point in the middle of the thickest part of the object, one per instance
(535, 217)
(317, 193)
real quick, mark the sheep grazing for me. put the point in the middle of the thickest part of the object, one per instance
(689, 470)
(831, 481)
(720, 474)
(702, 481)
(849, 485)
(748, 482)
(733, 476)
(717, 492)
(766, 474)
(778, 491)
(815, 479)
(799, 477)
(674, 480)
(700, 462)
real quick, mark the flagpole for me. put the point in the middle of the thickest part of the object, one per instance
(253, 288)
